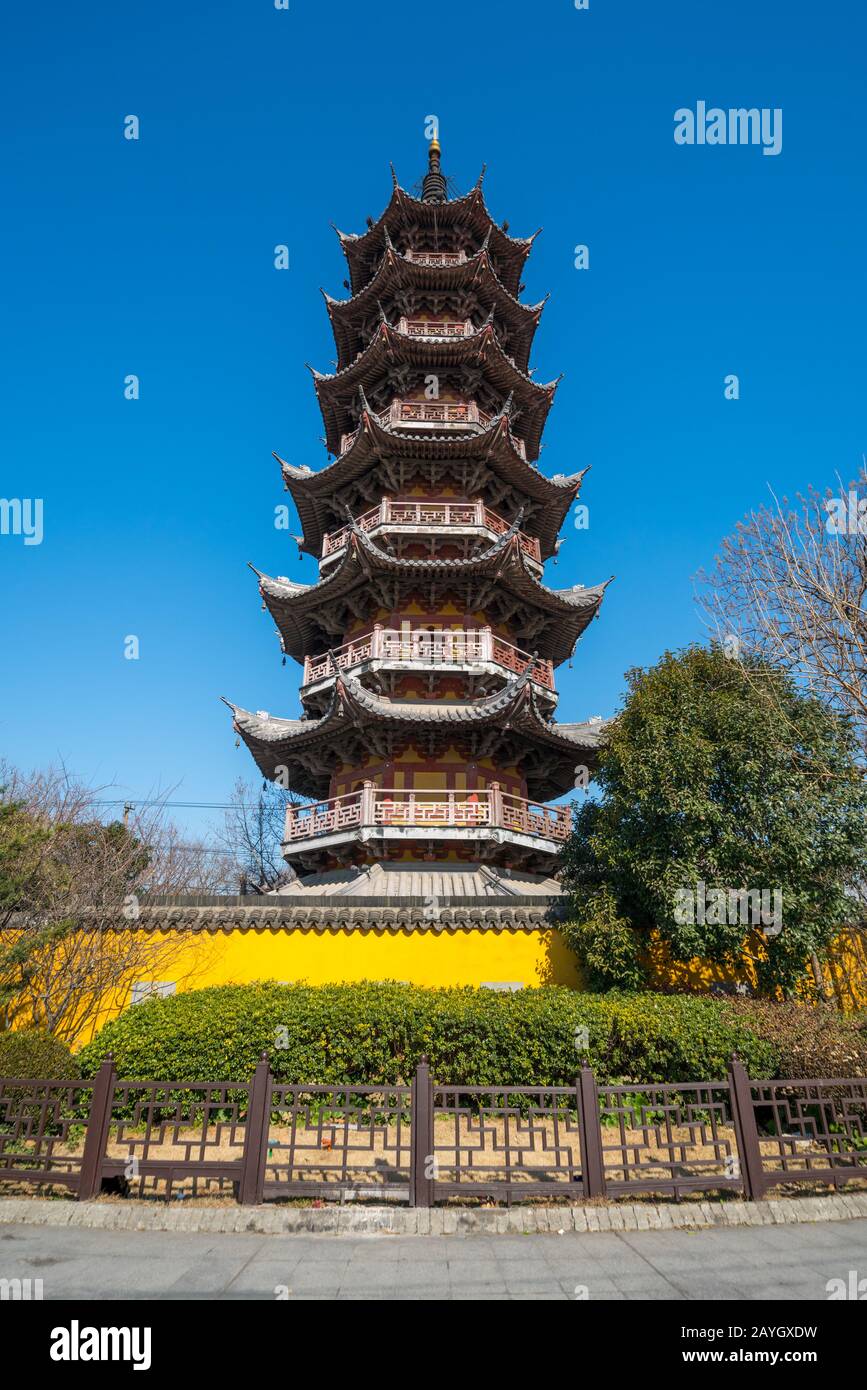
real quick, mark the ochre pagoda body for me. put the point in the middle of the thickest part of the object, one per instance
(429, 643)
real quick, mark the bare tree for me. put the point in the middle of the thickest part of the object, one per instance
(252, 835)
(790, 585)
(70, 890)
(178, 865)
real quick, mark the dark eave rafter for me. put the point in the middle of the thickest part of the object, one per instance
(379, 450)
(468, 216)
(390, 349)
(396, 273)
(310, 616)
(304, 752)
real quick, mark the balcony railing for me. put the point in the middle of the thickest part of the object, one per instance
(428, 812)
(424, 514)
(444, 648)
(435, 413)
(437, 257)
(435, 328)
(432, 415)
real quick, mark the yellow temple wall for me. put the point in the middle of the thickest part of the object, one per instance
(472, 957)
(844, 972)
(196, 960)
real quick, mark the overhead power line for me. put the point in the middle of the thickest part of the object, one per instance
(134, 804)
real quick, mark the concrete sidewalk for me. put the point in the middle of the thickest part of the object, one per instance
(791, 1262)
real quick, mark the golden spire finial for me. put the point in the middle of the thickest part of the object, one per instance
(434, 183)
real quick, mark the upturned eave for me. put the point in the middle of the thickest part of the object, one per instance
(469, 212)
(338, 392)
(287, 748)
(396, 272)
(304, 612)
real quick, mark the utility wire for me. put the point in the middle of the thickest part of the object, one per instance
(134, 804)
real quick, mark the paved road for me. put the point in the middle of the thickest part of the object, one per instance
(788, 1262)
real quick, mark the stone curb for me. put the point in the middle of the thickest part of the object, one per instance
(351, 1220)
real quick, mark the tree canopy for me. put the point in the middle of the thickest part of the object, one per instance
(720, 778)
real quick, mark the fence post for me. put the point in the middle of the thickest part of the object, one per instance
(252, 1180)
(590, 1132)
(96, 1137)
(746, 1130)
(421, 1180)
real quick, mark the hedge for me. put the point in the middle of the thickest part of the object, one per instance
(30, 1052)
(375, 1033)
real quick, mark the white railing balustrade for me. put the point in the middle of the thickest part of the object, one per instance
(435, 328)
(434, 415)
(437, 257)
(446, 647)
(426, 811)
(458, 514)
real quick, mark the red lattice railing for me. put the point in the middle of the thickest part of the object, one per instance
(384, 806)
(325, 1139)
(435, 328)
(440, 415)
(42, 1128)
(446, 647)
(811, 1128)
(430, 514)
(668, 1138)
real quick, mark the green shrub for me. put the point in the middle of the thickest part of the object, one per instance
(374, 1034)
(33, 1053)
(608, 949)
(810, 1040)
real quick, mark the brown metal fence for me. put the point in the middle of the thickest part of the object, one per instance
(264, 1139)
(506, 1141)
(673, 1139)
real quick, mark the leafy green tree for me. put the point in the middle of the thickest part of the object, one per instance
(22, 841)
(24, 873)
(719, 778)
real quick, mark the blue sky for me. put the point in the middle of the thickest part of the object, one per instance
(259, 127)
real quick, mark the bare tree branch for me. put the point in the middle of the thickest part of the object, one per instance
(790, 586)
(252, 836)
(68, 881)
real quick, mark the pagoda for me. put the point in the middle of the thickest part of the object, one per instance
(428, 753)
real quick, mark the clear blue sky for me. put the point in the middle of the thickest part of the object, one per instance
(259, 126)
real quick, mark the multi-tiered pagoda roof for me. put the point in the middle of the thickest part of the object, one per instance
(403, 288)
(430, 639)
(379, 459)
